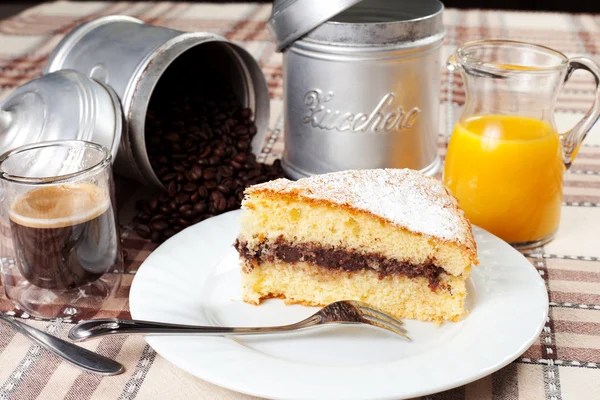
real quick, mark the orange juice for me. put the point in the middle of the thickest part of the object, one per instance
(507, 172)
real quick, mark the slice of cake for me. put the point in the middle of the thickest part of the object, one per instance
(392, 238)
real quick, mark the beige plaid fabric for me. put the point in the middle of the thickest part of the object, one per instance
(564, 363)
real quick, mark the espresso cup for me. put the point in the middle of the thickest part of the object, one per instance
(62, 256)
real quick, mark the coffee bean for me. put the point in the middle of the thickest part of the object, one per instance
(143, 231)
(202, 192)
(219, 152)
(172, 221)
(158, 226)
(210, 185)
(153, 205)
(156, 237)
(182, 198)
(188, 214)
(168, 233)
(200, 208)
(172, 189)
(157, 217)
(162, 170)
(185, 207)
(164, 209)
(241, 130)
(196, 172)
(143, 217)
(190, 187)
(223, 189)
(168, 177)
(189, 176)
(208, 173)
(237, 165)
(245, 112)
(221, 205)
(232, 203)
(206, 152)
(225, 171)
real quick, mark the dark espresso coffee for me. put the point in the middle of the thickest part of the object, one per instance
(64, 236)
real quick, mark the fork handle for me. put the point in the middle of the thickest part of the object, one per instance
(114, 326)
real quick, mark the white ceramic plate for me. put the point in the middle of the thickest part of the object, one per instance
(193, 278)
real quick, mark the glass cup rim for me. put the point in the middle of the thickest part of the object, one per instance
(104, 161)
(460, 55)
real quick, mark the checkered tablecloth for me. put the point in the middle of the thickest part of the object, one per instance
(564, 363)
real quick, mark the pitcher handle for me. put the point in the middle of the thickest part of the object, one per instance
(572, 139)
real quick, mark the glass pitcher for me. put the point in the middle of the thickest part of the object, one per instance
(506, 159)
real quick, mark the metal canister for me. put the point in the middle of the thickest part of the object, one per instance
(130, 57)
(361, 90)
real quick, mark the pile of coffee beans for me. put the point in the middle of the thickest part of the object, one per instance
(199, 146)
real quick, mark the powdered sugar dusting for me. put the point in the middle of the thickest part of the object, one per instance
(405, 197)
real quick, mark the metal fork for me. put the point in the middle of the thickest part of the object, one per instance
(341, 312)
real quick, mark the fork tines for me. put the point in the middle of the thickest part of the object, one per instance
(380, 319)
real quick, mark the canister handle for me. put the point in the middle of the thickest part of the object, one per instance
(572, 139)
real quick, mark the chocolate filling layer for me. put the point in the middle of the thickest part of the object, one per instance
(342, 259)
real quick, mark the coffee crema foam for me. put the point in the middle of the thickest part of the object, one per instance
(59, 206)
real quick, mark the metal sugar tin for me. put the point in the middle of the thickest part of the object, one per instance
(362, 90)
(129, 56)
(62, 105)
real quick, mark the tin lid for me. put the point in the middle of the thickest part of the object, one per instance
(383, 22)
(292, 19)
(59, 106)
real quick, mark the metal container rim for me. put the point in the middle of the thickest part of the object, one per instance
(369, 51)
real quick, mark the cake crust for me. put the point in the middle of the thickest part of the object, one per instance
(404, 198)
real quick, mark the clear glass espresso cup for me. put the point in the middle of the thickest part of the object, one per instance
(60, 243)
